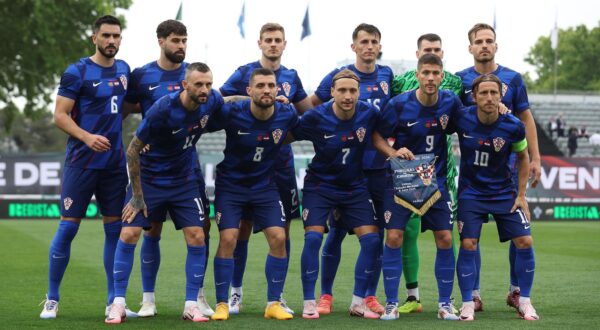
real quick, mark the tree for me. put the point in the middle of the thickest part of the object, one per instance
(39, 39)
(578, 61)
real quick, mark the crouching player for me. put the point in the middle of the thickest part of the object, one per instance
(163, 179)
(487, 140)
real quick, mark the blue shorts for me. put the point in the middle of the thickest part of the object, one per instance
(79, 184)
(285, 178)
(438, 217)
(264, 206)
(203, 194)
(355, 208)
(473, 213)
(183, 203)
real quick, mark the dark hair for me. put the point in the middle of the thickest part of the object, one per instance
(271, 27)
(478, 27)
(430, 59)
(486, 78)
(196, 66)
(371, 29)
(169, 26)
(261, 72)
(431, 37)
(106, 19)
(345, 74)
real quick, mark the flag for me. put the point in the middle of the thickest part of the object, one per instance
(494, 23)
(179, 15)
(305, 25)
(241, 21)
(554, 36)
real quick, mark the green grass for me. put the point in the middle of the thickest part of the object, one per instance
(565, 293)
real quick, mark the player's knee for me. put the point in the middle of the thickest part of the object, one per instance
(469, 244)
(394, 238)
(443, 239)
(194, 236)
(523, 242)
(155, 230)
(130, 235)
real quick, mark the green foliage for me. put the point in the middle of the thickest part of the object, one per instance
(39, 39)
(578, 61)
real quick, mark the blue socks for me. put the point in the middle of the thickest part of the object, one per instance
(123, 264)
(150, 262)
(207, 254)
(275, 272)
(330, 258)
(194, 271)
(223, 268)
(58, 258)
(111, 237)
(444, 273)
(465, 271)
(240, 255)
(392, 270)
(512, 255)
(309, 263)
(365, 263)
(525, 269)
(477, 267)
(374, 281)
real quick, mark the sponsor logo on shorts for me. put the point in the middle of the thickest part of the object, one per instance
(67, 203)
(218, 218)
(460, 226)
(387, 216)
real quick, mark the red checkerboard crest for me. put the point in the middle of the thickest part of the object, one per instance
(444, 121)
(304, 214)
(123, 79)
(277, 135)
(425, 172)
(460, 226)
(504, 89)
(384, 87)
(68, 202)
(287, 88)
(498, 143)
(218, 217)
(203, 121)
(360, 133)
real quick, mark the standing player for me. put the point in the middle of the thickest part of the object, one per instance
(487, 140)
(148, 84)
(426, 44)
(375, 82)
(164, 179)
(418, 121)
(483, 47)
(88, 108)
(289, 90)
(335, 180)
(255, 132)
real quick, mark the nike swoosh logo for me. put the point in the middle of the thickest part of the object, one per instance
(273, 280)
(527, 227)
(328, 136)
(117, 271)
(412, 124)
(310, 271)
(54, 256)
(467, 136)
(467, 91)
(96, 84)
(391, 278)
(466, 275)
(147, 261)
(444, 281)
(294, 210)
(243, 133)
(529, 270)
(177, 131)
(221, 283)
(196, 275)
(151, 88)
(369, 271)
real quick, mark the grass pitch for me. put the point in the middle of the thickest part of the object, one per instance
(565, 293)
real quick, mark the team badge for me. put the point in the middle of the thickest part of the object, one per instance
(504, 89)
(498, 143)
(425, 172)
(387, 216)
(123, 80)
(277, 135)
(336, 214)
(384, 87)
(287, 88)
(444, 121)
(460, 226)
(304, 214)
(360, 133)
(203, 121)
(68, 202)
(218, 217)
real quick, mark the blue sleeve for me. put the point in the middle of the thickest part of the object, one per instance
(132, 90)
(458, 111)
(234, 85)
(70, 83)
(387, 120)
(152, 123)
(300, 92)
(219, 118)
(323, 92)
(306, 126)
(520, 101)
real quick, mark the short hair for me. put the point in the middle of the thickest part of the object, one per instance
(271, 27)
(261, 72)
(346, 73)
(485, 78)
(431, 37)
(430, 59)
(478, 27)
(196, 66)
(371, 29)
(106, 19)
(169, 26)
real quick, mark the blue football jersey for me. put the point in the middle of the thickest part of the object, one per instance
(419, 128)
(514, 93)
(339, 146)
(172, 133)
(485, 171)
(375, 88)
(149, 83)
(98, 93)
(251, 146)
